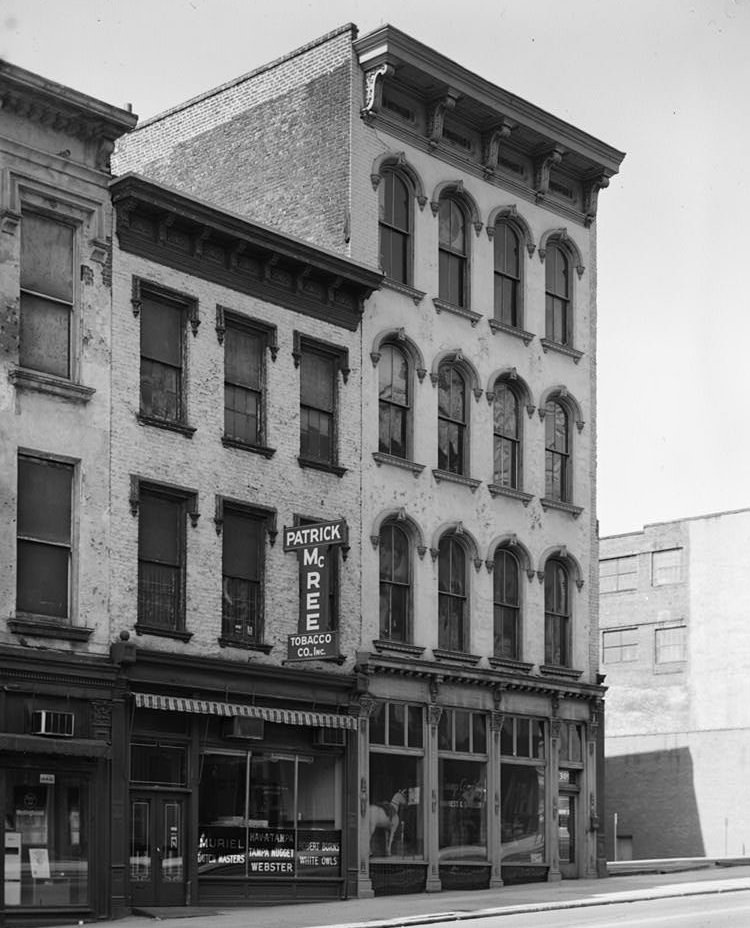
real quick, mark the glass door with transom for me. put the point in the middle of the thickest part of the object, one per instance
(157, 849)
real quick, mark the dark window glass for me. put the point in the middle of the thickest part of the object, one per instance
(161, 541)
(453, 253)
(47, 292)
(393, 401)
(556, 614)
(558, 320)
(557, 456)
(395, 583)
(507, 605)
(162, 324)
(452, 599)
(395, 227)
(44, 537)
(507, 274)
(242, 576)
(317, 406)
(243, 390)
(452, 420)
(158, 763)
(507, 444)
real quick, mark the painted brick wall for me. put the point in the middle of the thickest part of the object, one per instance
(272, 146)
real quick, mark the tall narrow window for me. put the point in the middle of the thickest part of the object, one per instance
(395, 583)
(242, 577)
(556, 614)
(393, 401)
(507, 605)
(453, 253)
(47, 295)
(557, 456)
(317, 406)
(507, 274)
(452, 420)
(395, 227)
(162, 347)
(452, 598)
(44, 537)
(243, 385)
(557, 276)
(507, 435)
(161, 561)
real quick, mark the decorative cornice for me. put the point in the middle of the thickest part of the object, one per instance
(436, 116)
(549, 503)
(444, 306)
(380, 458)
(497, 489)
(549, 345)
(163, 225)
(543, 165)
(497, 326)
(24, 379)
(450, 477)
(491, 142)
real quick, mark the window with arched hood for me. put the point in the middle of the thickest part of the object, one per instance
(453, 419)
(557, 452)
(507, 274)
(453, 269)
(507, 437)
(556, 614)
(394, 401)
(395, 226)
(453, 618)
(559, 322)
(507, 605)
(395, 583)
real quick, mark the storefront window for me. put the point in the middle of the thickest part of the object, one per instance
(522, 813)
(396, 812)
(158, 763)
(46, 839)
(269, 814)
(462, 771)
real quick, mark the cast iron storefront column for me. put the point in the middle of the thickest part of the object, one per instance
(361, 798)
(494, 792)
(552, 802)
(432, 792)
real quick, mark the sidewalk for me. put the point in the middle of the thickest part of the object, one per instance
(422, 909)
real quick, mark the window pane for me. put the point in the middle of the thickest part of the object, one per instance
(47, 257)
(316, 435)
(415, 727)
(462, 730)
(317, 379)
(671, 644)
(44, 340)
(242, 545)
(42, 579)
(162, 763)
(377, 723)
(160, 390)
(44, 499)
(242, 414)
(243, 353)
(161, 331)
(396, 724)
(159, 529)
(396, 811)
(463, 809)
(522, 813)
(667, 567)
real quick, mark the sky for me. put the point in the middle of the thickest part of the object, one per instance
(666, 81)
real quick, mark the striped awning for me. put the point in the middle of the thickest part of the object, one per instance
(230, 709)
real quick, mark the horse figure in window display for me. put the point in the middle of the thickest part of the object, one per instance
(387, 816)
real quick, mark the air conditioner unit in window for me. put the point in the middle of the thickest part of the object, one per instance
(246, 728)
(330, 737)
(47, 722)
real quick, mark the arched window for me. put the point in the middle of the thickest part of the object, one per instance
(452, 420)
(453, 252)
(507, 471)
(394, 401)
(557, 454)
(453, 619)
(395, 583)
(395, 227)
(507, 274)
(507, 599)
(556, 614)
(557, 285)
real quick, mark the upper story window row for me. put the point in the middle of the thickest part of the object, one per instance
(510, 242)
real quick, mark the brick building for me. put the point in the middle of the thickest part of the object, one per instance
(676, 652)
(59, 698)
(480, 711)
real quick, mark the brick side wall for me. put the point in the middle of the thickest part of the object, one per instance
(273, 147)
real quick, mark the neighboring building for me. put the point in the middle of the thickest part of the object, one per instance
(59, 699)
(676, 651)
(474, 641)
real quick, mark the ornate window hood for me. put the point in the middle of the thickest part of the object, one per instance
(161, 224)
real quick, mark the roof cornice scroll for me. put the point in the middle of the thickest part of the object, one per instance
(516, 219)
(436, 111)
(543, 165)
(374, 78)
(491, 142)
(591, 188)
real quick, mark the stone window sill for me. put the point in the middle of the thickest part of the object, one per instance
(227, 642)
(246, 446)
(548, 345)
(322, 465)
(24, 379)
(456, 478)
(511, 492)
(549, 503)
(167, 424)
(178, 634)
(497, 326)
(508, 663)
(398, 647)
(416, 295)
(381, 458)
(456, 657)
(43, 627)
(553, 670)
(441, 306)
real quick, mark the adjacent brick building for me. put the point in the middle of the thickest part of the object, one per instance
(676, 652)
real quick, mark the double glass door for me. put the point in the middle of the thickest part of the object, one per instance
(157, 849)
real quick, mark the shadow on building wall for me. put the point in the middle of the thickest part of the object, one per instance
(654, 798)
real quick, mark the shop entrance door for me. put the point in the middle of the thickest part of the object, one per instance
(567, 831)
(157, 849)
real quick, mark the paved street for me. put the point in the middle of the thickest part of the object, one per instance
(712, 889)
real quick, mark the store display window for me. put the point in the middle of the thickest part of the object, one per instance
(269, 814)
(396, 809)
(46, 839)
(522, 782)
(462, 773)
